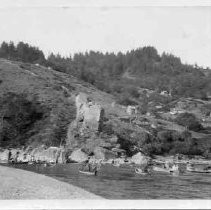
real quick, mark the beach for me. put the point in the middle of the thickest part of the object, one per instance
(21, 184)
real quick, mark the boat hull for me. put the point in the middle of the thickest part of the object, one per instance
(140, 172)
(199, 171)
(159, 169)
(88, 173)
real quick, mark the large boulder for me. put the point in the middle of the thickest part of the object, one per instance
(4, 156)
(139, 159)
(43, 154)
(78, 156)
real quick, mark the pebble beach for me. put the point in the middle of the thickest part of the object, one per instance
(21, 184)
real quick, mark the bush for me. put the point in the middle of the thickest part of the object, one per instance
(125, 100)
(172, 142)
(19, 116)
(189, 120)
(108, 128)
(133, 92)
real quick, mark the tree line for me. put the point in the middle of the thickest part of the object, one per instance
(22, 52)
(122, 74)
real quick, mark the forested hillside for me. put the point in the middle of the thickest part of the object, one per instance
(124, 75)
(37, 104)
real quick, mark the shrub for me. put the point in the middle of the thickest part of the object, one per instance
(108, 128)
(133, 92)
(125, 100)
(189, 120)
(19, 116)
(172, 142)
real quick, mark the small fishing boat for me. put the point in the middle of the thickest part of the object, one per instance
(93, 173)
(160, 169)
(195, 170)
(116, 164)
(174, 170)
(141, 172)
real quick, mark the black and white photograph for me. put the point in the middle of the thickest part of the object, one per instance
(105, 104)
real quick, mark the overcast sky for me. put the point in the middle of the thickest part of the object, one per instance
(72, 26)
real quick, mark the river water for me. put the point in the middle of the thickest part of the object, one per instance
(123, 183)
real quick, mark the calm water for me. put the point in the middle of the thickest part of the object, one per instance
(123, 183)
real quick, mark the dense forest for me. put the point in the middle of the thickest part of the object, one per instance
(124, 75)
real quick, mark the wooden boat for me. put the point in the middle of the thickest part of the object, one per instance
(116, 164)
(93, 173)
(160, 169)
(195, 170)
(140, 172)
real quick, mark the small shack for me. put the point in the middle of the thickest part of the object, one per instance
(131, 110)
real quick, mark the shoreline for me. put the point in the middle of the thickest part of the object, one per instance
(21, 184)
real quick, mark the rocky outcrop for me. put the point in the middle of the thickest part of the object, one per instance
(85, 131)
(94, 133)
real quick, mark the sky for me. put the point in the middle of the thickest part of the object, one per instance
(70, 26)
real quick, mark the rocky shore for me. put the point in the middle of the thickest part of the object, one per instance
(20, 184)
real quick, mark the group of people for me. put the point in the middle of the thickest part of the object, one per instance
(168, 166)
(171, 167)
(90, 166)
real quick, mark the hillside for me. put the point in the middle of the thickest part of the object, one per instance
(38, 107)
(124, 74)
(52, 90)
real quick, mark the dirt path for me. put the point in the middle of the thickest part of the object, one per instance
(20, 184)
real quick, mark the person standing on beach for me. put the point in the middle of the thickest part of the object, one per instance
(86, 164)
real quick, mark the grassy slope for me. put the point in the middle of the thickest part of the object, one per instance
(48, 85)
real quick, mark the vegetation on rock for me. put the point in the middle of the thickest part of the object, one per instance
(189, 120)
